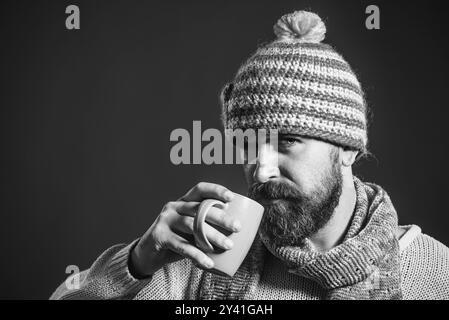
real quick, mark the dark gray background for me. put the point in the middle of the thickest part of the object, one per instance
(86, 116)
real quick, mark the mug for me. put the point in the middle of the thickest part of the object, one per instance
(248, 212)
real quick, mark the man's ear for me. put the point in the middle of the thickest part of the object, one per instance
(347, 156)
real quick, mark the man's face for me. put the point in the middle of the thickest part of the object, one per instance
(299, 184)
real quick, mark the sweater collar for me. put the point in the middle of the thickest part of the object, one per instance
(369, 241)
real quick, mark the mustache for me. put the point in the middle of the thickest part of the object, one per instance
(273, 190)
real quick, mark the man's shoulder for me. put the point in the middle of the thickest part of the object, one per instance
(412, 239)
(424, 265)
(414, 243)
(406, 234)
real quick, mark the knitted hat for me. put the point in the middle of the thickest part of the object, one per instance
(298, 85)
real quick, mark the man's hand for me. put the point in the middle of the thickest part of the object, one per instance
(165, 241)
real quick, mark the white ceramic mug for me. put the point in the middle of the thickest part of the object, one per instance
(248, 212)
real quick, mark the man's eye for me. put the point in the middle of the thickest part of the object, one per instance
(286, 142)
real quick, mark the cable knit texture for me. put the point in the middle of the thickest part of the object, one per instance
(423, 262)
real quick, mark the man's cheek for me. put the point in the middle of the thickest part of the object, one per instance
(307, 182)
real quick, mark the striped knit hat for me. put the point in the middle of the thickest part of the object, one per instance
(296, 84)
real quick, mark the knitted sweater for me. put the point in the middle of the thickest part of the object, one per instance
(424, 275)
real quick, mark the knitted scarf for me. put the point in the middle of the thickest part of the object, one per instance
(366, 265)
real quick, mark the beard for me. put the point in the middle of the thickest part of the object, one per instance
(290, 215)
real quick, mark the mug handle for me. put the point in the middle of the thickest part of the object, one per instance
(199, 221)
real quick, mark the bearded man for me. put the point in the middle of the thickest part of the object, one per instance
(325, 234)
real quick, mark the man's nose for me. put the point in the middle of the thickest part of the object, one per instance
(267, 166)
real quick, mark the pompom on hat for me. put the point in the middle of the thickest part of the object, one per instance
(298, 85)
(300, 26)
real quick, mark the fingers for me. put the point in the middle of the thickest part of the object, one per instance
(215, 216)
(220, 218)
(206, 190)
(185, 224)
(177, 218)
(182, 247)
(184, 208)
